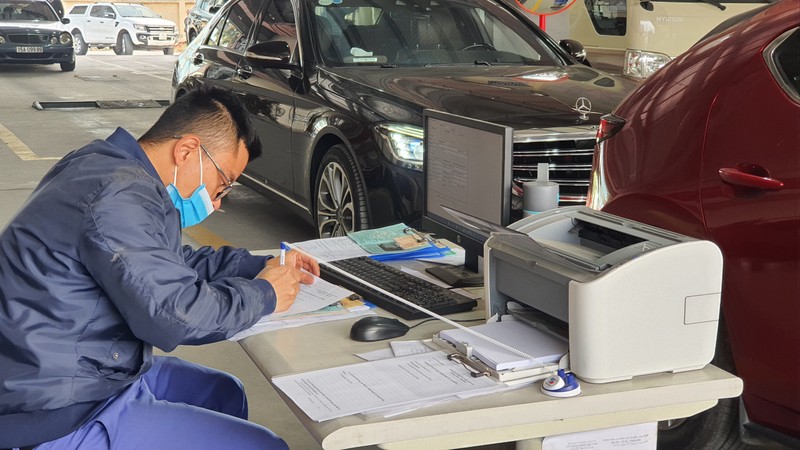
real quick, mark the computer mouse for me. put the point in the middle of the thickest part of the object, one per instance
(376, 328)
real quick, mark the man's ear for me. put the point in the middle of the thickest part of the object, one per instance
(184, 149)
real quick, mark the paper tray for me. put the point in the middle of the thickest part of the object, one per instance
(478, 368)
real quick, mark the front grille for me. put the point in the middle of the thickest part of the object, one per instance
(567, 151)
(161, 29)
(35, 39)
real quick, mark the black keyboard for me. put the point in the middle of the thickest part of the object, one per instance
(404, 285)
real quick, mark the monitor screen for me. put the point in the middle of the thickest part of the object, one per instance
(467, 167)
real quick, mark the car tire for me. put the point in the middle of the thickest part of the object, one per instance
(340, 201)
(81, 47)
(124, 44)
(169, 51)
(715, 428)
(68, 66)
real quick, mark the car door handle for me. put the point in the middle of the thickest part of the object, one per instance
(740, 178)
(198, 58)
(244, 72)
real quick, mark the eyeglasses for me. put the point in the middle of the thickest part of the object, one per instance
(226, 180)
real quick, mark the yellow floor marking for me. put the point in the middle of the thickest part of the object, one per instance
(204, 237)
(19, 148)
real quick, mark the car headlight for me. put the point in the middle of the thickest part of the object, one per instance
(641, 64)
(140, 27)
(65, 38)
(404, 142)
(2, 39)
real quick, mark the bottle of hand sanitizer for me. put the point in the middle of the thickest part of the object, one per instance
(539, 195)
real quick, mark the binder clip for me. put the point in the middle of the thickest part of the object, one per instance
(419, 236)
(561, 384)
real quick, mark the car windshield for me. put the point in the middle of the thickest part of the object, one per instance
(425, 33)
(28, 11)
(135, 11)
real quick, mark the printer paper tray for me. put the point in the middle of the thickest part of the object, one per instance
(479, 368)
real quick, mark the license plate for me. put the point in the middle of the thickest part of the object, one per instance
(162, 36)
(29, 50)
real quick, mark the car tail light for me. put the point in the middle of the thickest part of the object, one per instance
(598, 191)
(609, 126)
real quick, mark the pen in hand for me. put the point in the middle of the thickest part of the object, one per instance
(284, 247)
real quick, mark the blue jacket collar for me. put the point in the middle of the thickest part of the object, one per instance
(124, 140)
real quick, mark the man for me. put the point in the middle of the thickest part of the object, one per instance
(93, 275)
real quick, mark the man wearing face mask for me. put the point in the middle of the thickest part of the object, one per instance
(93, 276)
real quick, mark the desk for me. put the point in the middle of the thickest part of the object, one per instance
(523, 415)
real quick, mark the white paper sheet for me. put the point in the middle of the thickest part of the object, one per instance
(404, 348)
(313, 297)
(642, 436)
(331, 249)
(544, 347)
(363, 387)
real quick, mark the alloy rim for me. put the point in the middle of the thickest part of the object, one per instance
(335, 210)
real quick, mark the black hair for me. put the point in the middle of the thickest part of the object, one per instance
(212, 113)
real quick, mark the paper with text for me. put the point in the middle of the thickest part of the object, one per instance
(331, 249)
(358, 388)
(313, 297)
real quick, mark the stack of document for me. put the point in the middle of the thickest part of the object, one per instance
(397, 242)
(318, 302)
(545, 348)
(380, 245)
(388, 386)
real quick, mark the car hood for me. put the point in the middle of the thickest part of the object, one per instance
(29, 26)
(540, 97)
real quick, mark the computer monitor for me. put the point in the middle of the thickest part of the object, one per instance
(467, 167)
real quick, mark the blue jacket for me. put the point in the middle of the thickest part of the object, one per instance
(92, 276)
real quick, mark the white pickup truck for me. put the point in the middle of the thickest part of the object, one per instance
(121, 26)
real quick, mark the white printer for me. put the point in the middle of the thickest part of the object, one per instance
(632, 299)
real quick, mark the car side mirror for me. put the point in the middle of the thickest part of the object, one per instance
(270, 55)
(575, 49)
(214, 9)
(65, 20)
(110, 15)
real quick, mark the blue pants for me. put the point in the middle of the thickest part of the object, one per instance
(175, 405)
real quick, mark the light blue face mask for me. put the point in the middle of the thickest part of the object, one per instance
(197, 207)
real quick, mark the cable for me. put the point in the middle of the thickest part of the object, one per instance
(433, 318)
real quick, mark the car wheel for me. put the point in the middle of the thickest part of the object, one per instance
(169, 51)
(715, 428)
(68, 66)
(124, 45)
(712, 429)
(81, 47)
(340, 204)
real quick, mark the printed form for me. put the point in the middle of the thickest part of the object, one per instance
(363, 387)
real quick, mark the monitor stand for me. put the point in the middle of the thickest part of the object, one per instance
(457, 276)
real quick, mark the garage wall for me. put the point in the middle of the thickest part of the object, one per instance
(171, 10)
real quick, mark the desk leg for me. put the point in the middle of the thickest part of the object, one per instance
(529, 444)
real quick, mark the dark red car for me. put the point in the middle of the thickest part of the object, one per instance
(709, 147)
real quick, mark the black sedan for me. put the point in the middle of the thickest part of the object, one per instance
(32, 33)
(337, 89)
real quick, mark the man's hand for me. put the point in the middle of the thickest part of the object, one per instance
(299, 261)
(286, 279)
